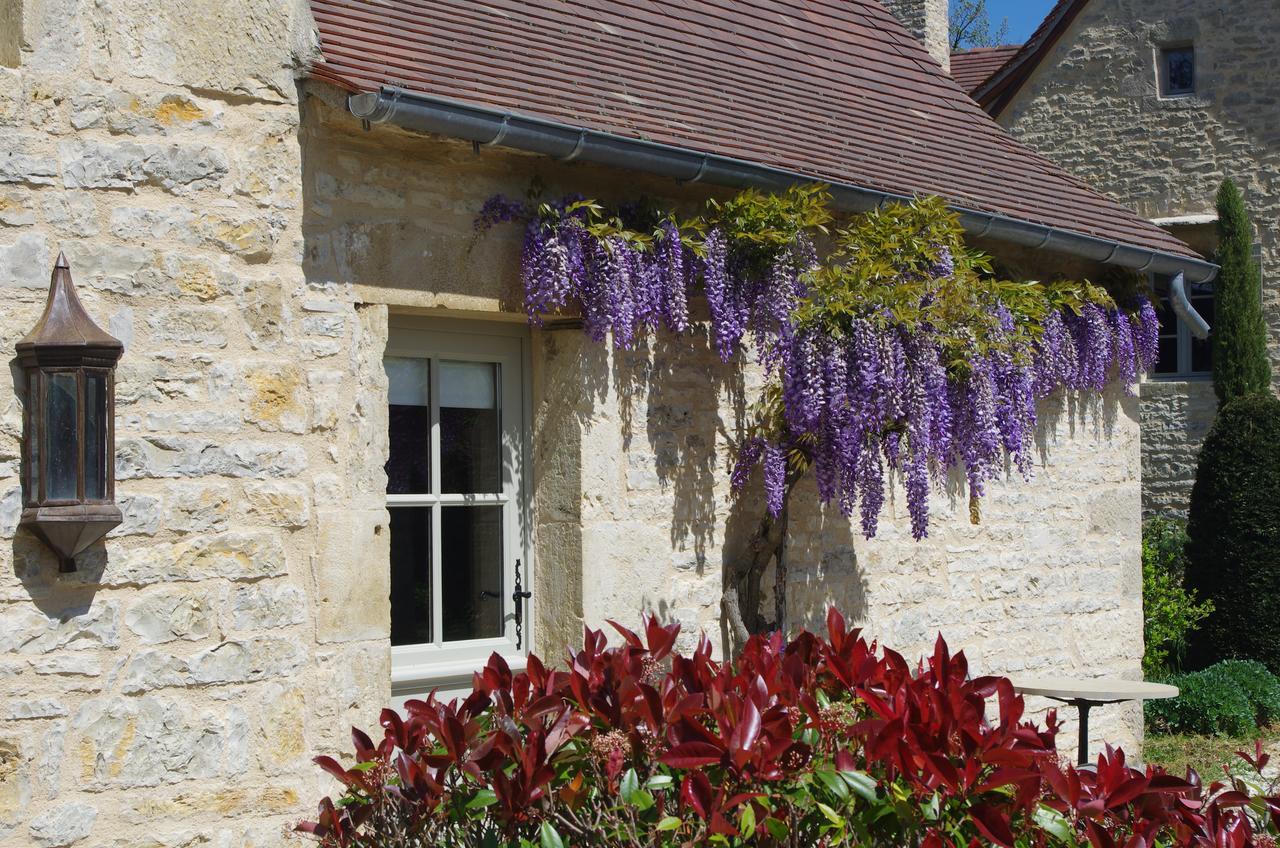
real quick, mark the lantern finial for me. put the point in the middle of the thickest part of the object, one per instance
(65, 331)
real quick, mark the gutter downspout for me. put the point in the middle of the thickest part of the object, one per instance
(486, 126)
(1182, 307)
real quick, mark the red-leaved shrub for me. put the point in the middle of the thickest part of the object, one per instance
(812, 742)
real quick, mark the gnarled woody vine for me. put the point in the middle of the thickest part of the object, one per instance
(898, 350)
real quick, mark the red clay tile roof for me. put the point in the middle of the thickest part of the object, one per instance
(999, 89)
(833, 89)
(971, 68)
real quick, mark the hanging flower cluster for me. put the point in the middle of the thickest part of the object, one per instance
(902, 353)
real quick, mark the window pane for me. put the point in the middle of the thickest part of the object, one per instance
(95, 434)
(1168, 318)
(409, 426)
(1167, 363)
(60, 446)
(1180, 74)
(411, 575)
(1202, 349)
(470, 442)
(472, 580)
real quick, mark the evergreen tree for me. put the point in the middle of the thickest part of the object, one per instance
(1234, 531)
(1240, 362)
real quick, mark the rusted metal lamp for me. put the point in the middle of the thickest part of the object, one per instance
(69, 428)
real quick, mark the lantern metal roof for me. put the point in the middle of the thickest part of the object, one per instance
(65, 334)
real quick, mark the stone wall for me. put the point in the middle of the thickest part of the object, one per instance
(1176, 416)
(172, 691)
(1093, 107)
(928, 21)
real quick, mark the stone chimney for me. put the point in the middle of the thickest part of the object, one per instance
(928, 21)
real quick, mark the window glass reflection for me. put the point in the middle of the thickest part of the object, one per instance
(411, 576)
(470, 440)
(409, 426)
(61, 447)
(472, 581)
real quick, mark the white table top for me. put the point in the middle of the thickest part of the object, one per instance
(1092, 689)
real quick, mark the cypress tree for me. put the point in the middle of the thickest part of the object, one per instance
(1240, 362)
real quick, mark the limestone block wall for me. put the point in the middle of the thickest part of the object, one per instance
(1176, 416)
(928, 21)
(172, 691)
(1093, 107)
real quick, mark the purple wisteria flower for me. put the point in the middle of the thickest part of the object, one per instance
(498, 209)
(873, 397)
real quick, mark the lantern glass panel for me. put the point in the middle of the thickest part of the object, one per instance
(95, 435)
(33, 444)
(61, 450)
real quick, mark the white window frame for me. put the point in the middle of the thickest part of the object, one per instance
(448, 666)
(1184, 374)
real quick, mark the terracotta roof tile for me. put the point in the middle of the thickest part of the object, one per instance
(833, 89)
(971, 68)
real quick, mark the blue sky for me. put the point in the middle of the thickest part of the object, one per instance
(1024, 16)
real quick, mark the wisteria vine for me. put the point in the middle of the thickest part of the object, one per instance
(899, 352)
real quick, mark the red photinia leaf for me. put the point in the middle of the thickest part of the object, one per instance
(993, 824)
(1098, 836)
(690, 755)
(1232, 798)
(695, 790)
(363, 745)
(1126, 792)
(631, 638)
(835, 628)
(331, 765)
(744, 736)
(662, 638)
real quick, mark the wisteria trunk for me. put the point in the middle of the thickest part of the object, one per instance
(742, 595)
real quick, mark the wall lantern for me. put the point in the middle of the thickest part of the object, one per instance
(69, 426)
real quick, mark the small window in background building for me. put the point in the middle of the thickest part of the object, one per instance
(1177, 71)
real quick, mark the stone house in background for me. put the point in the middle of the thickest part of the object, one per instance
(270, 203)
(1155, 102)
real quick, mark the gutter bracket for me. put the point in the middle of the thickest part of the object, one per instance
(502, 132)
(702, 170)
(577, 148)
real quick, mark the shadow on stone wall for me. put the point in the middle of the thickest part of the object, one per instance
(57, 595)
(685, 392)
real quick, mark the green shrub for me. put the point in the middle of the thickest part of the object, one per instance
(1210, 703)
(1170, 612)
(1233, 556)
(1260, 686)
(1241, 365)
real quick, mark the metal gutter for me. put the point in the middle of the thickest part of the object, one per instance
(494, 127)
(1182, 307)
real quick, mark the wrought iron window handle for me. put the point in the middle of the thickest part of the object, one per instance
(519, 596)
